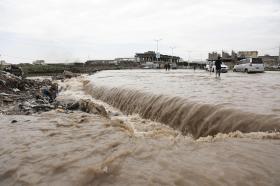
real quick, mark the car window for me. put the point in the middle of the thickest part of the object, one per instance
(242, 61)
(257, 61)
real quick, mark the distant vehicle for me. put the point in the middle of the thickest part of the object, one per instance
(173, 66)
(150, 65)
(276, 67)
(249, 65)
(224, 68)
(146, 67)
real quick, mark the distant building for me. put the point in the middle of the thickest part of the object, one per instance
(213, 56)
(228, 59)
(232, 59)
(269, 60)
(150, 56)
(225, 55)
(234, 56)
(197, 63)
(125, 59)
(38, 62)
(247, 54)
(100, 62)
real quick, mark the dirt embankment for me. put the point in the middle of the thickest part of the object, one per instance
(20, 96)
(82, 68)
(23, 96)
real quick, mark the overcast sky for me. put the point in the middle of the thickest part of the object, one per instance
(67, 30)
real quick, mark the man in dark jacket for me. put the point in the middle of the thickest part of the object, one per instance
(218, 65)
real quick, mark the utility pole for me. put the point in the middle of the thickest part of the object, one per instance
(189, 53)
(157, 53)
(172, 48)
(157, 40)
(0, 63)
(279, 57)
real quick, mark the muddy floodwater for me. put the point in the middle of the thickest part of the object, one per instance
(164, 128)
(259, 93)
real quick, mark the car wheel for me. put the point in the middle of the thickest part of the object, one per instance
(234, 70)
(246, 70)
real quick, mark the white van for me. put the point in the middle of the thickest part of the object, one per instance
(249, 65)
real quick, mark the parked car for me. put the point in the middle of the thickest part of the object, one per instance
(249, 65)
(224, 68)
(150, 65)
(173, 66)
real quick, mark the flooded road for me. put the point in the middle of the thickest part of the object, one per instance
(195, 103)
(258, 93)
(133, 146)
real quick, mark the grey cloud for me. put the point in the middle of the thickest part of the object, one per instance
(100, 26)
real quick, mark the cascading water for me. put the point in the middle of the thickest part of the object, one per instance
(197, 119)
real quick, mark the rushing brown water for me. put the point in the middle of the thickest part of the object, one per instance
(81, 149)
(257, 93)
(189, 116)
(56, 148)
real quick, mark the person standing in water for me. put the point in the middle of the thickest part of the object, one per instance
(210, 67)
(218, 65)
(166, 66)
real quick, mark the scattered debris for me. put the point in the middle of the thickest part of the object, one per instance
(73, 106)
(91, 107)
(87, 106)
(68, 74)
(26, 96)
(15, 70)
(65, 75)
